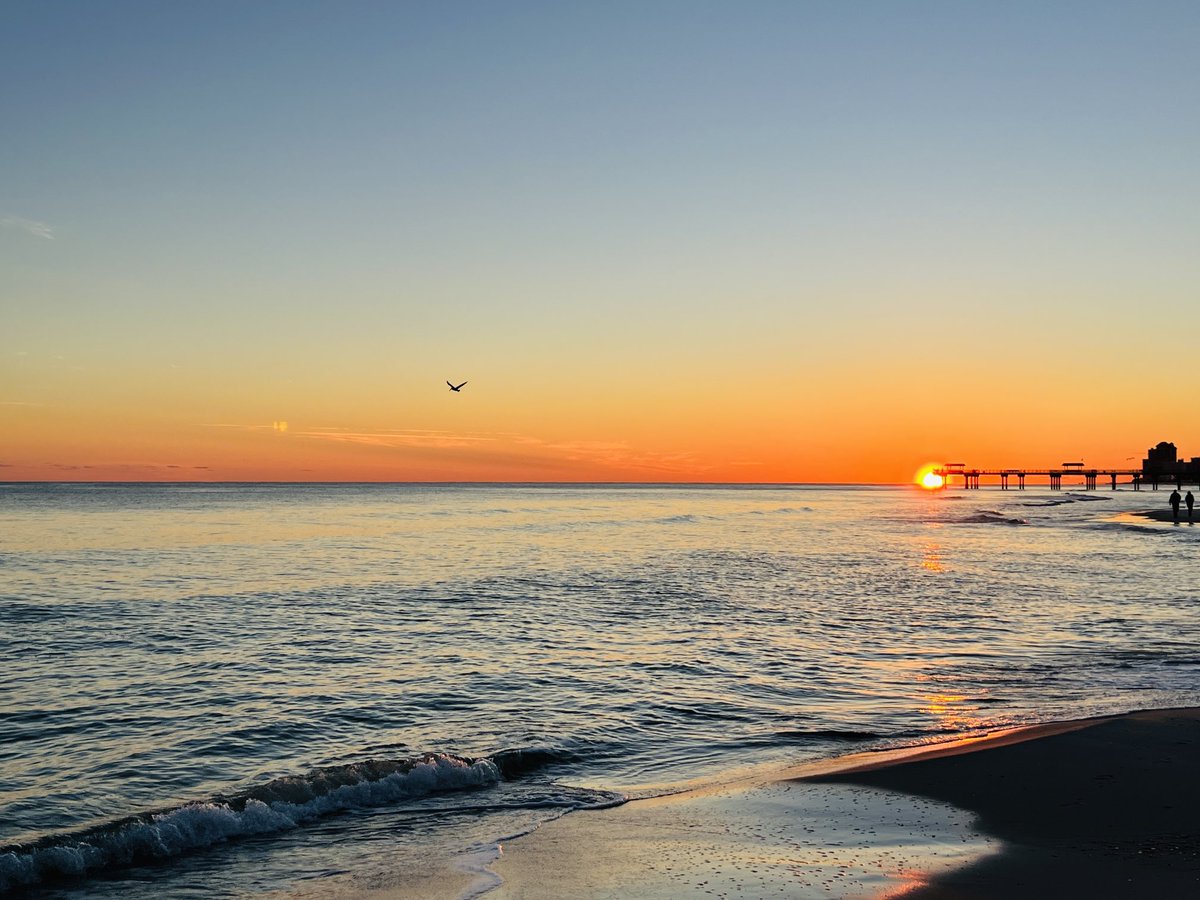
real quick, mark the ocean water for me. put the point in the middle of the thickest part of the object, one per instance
(212, 690)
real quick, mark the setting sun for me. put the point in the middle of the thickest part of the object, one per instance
(929, 479)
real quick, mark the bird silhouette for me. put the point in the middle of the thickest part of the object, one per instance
(456, 387)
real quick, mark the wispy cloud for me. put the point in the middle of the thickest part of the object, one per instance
(120, 467)
(616, 455)
(376, 438)
(501, 448)
(398, 438)
(29, 226)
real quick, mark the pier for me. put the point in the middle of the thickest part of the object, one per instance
(1162, 465)
(971, 478)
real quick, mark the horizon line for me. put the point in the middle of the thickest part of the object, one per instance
(552, 483)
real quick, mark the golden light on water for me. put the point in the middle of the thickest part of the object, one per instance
(954, 712)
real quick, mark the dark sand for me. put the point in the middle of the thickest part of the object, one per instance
(1111, 809)
(1105, 808)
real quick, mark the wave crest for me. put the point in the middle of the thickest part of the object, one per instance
(278, 805)
(991, 517)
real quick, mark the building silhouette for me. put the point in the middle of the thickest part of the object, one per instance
(1162, 463)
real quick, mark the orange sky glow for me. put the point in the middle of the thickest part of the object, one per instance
(772, 435)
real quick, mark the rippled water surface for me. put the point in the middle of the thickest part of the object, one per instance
(212, 689)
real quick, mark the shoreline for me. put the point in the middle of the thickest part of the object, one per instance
(1103, 808)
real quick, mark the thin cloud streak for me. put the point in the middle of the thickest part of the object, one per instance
(617, 455)
(138, 467)
(398, 438)
(540, 452)
(506, 449)
(270, 427)
(29, 226)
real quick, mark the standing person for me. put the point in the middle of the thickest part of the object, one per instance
(1190, 501)
(1174, 501)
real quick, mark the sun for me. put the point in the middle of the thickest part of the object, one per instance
(929, 479)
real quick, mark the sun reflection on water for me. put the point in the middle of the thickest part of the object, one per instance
(954, 712)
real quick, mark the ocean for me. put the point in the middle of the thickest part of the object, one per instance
(213, 690)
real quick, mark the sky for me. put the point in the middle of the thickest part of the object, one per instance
(661, 241)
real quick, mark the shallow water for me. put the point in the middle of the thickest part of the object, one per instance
(231, 656)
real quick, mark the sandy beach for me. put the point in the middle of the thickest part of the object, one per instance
(1104, 808)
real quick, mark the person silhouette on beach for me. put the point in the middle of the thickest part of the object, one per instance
(1174, 501)
(1190, 501)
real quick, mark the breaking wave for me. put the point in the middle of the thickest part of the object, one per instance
(1066, 498)
(278, 805)
(991, 517)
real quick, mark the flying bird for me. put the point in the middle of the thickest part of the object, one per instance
(456, 387)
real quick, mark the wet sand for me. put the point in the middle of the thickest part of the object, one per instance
(1165, 515)
(1105, 808)
(780, 839)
